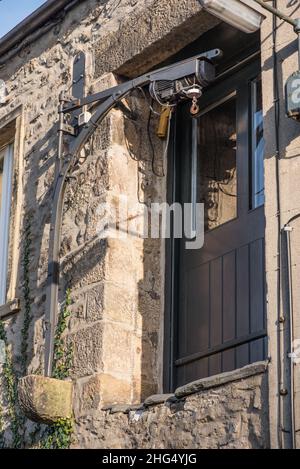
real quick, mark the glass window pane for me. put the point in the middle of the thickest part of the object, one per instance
(257, 148)
(217, 169)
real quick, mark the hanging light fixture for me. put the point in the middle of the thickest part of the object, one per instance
(235, 13)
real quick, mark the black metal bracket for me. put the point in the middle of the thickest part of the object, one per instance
(67, 129)
(77, 137)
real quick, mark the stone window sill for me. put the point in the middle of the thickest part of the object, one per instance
(9, 308)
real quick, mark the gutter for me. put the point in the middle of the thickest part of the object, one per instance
(33, 22)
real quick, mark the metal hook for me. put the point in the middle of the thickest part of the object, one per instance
(194, 107)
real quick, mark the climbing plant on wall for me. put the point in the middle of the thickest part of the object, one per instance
(59, 435)
(9, 375)
(62, 359)
(10, 395)
(2, 439)
(26, 297)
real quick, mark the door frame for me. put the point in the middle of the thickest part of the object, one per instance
(171, 250)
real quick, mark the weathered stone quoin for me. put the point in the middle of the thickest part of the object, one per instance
(114, 335)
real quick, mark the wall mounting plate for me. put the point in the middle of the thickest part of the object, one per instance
(292, 96)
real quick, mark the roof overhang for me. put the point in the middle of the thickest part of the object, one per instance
(33, 22)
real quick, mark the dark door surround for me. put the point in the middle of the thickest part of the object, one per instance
(239, 80)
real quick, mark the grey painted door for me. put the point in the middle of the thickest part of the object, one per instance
(219, 292)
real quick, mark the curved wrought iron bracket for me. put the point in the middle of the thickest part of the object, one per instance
(106, 101)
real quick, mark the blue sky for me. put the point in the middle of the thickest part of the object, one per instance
(14, 11)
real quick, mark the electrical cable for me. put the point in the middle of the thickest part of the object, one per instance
(291, 328)
(139, 88)
(152, 146)
(291, 315)
(295, 217)
(278, 199)
(168, 138)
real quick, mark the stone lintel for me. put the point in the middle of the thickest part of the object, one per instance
(150, 36)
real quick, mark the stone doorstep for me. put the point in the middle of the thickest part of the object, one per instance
(192, 388)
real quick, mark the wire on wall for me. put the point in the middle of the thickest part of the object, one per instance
(152, 145)
(278, 200)
(281, 321)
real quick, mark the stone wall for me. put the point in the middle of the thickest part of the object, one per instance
(282, 172)
(117, 285)
(226, 411)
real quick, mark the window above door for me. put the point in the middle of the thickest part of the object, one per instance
(257, 189)
(226, 168)
(217, 166)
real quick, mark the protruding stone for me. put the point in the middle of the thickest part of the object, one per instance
(119, 409)
(157, 399)
(45, 400)
(122, 408)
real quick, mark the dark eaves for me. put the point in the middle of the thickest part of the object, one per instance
(32, 23)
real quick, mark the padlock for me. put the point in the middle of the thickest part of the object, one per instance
(163, 125)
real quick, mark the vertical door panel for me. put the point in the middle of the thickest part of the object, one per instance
(216, 307)
(220, 322)
(256, 297)
(243, 304)
(229, 308)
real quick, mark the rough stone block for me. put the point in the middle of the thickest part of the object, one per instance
(101, 390)
(114, 390)
(87, 346)
(45, 400)
(87, 395)
(119, 307)
(94, 306)
(86, 266)
(117, 348)
(156, 399)
(119, 263)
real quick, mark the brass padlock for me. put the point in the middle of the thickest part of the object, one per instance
(163, 125)
(194, 110)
